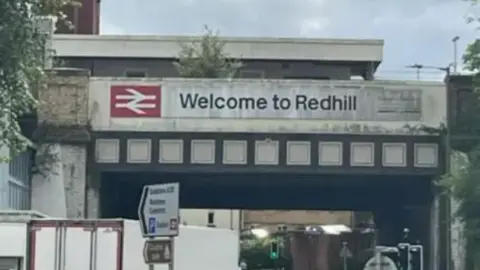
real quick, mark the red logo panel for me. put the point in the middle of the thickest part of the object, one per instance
(135, 101)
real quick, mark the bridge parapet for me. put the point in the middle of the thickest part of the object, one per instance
(291, 106)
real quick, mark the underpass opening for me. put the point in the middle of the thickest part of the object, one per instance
(120, 192)
(396, 201)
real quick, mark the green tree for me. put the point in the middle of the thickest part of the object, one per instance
(206, 58)
(22, 55)
(471, 57)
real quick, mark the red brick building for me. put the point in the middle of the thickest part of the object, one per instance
(85, 19)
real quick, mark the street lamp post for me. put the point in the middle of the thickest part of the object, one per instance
(455, 53)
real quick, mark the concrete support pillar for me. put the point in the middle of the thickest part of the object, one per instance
(58, 186)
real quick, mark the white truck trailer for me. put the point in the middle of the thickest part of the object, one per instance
(33, 242)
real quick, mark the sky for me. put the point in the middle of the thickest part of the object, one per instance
(414, 31)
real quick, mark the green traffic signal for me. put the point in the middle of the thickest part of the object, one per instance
(274, 252)
(274, 255)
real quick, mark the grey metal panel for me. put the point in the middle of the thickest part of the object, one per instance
(218, 165)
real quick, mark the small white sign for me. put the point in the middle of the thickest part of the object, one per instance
(158, 210)
(345, 252)
(380, 262)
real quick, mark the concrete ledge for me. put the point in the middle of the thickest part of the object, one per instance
(65, 134)
(69, 72)
(241, 48)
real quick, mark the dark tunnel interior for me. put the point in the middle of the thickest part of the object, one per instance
(120, 192)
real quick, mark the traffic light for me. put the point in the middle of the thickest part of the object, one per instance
(404, 256)
(416, 257)
(274, 250)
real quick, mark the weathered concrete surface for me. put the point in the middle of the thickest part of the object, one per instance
(59, 186)
(58, 190)
(65, 101)
(296, 217)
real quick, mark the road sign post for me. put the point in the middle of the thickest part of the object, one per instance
(158, 212)
(158, 251)
(345, 254)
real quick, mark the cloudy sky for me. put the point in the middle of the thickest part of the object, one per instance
(415, 31)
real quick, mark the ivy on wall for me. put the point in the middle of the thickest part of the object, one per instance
(22, 54)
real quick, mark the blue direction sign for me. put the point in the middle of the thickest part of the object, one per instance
(158, 210)
(152, 225)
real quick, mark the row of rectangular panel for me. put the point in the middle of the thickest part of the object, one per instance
(109, 245)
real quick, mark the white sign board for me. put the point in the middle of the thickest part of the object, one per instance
(345, 252)
(158, 210)
(380, 262)
(293, 100)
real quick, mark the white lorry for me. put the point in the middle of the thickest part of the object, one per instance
(35, 243)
